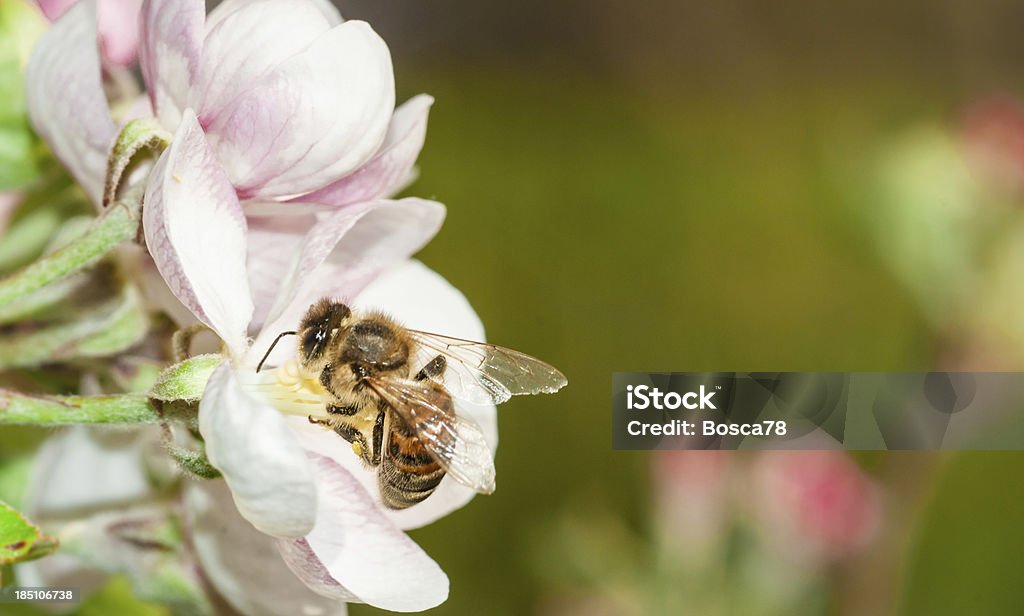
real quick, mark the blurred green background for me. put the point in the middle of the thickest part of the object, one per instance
(677, 186)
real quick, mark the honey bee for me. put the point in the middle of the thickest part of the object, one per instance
(391, 391)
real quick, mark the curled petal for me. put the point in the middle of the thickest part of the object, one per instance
(65, 97)
(421, 299)
(241, 563)
(353, 243)
(388, 171)
(315, 117)
(249, 442)
(195, 231)
(354, 553)
(172, 43)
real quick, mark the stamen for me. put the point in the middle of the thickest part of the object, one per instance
(291, 391)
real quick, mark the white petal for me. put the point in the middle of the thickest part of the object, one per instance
(195, 230)
(355, 553)
(421, 299)
(313, 118)
(244, 41)
(78, 471)
(243, 564)
(249, 442)
(390, 168)
(343, 252)
(82, 468)
(172, 44)
(65, 97)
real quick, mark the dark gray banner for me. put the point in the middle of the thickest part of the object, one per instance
(818, 410)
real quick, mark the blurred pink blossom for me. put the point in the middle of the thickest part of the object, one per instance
(118, 26)
(994, 136)
(815, 506)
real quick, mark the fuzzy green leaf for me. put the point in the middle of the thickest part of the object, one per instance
(20, 540)
(118, 224)
(111, 328)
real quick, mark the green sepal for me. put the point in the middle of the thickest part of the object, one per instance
(136, 136)
(193, 462)
(186, 380)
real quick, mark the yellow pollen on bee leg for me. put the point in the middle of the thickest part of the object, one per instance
(358, 448)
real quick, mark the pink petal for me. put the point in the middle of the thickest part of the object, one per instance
(421, 299)
(249, 442)
(344, 250)
(65, 96)
(172, 43)
(354, 553)
(195, 231)
(242, 564)
(315, 117)
(119, 30)
(388, 171)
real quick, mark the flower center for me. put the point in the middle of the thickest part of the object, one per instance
(293, 391)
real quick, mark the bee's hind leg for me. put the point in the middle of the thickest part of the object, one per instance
(434, 367)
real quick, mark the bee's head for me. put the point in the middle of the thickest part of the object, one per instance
(373, 345)
(324, 324)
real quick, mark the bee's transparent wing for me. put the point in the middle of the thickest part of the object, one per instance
(456, 443)
(486, 373)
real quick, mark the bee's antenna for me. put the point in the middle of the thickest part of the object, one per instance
(272, 345)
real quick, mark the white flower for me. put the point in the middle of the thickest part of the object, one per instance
(289, 479)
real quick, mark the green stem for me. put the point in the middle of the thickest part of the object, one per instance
(23, 409)
(116, 225)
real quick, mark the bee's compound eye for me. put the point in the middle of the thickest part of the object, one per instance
(360, 371)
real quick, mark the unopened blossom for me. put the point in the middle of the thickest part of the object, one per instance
(815, 506)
